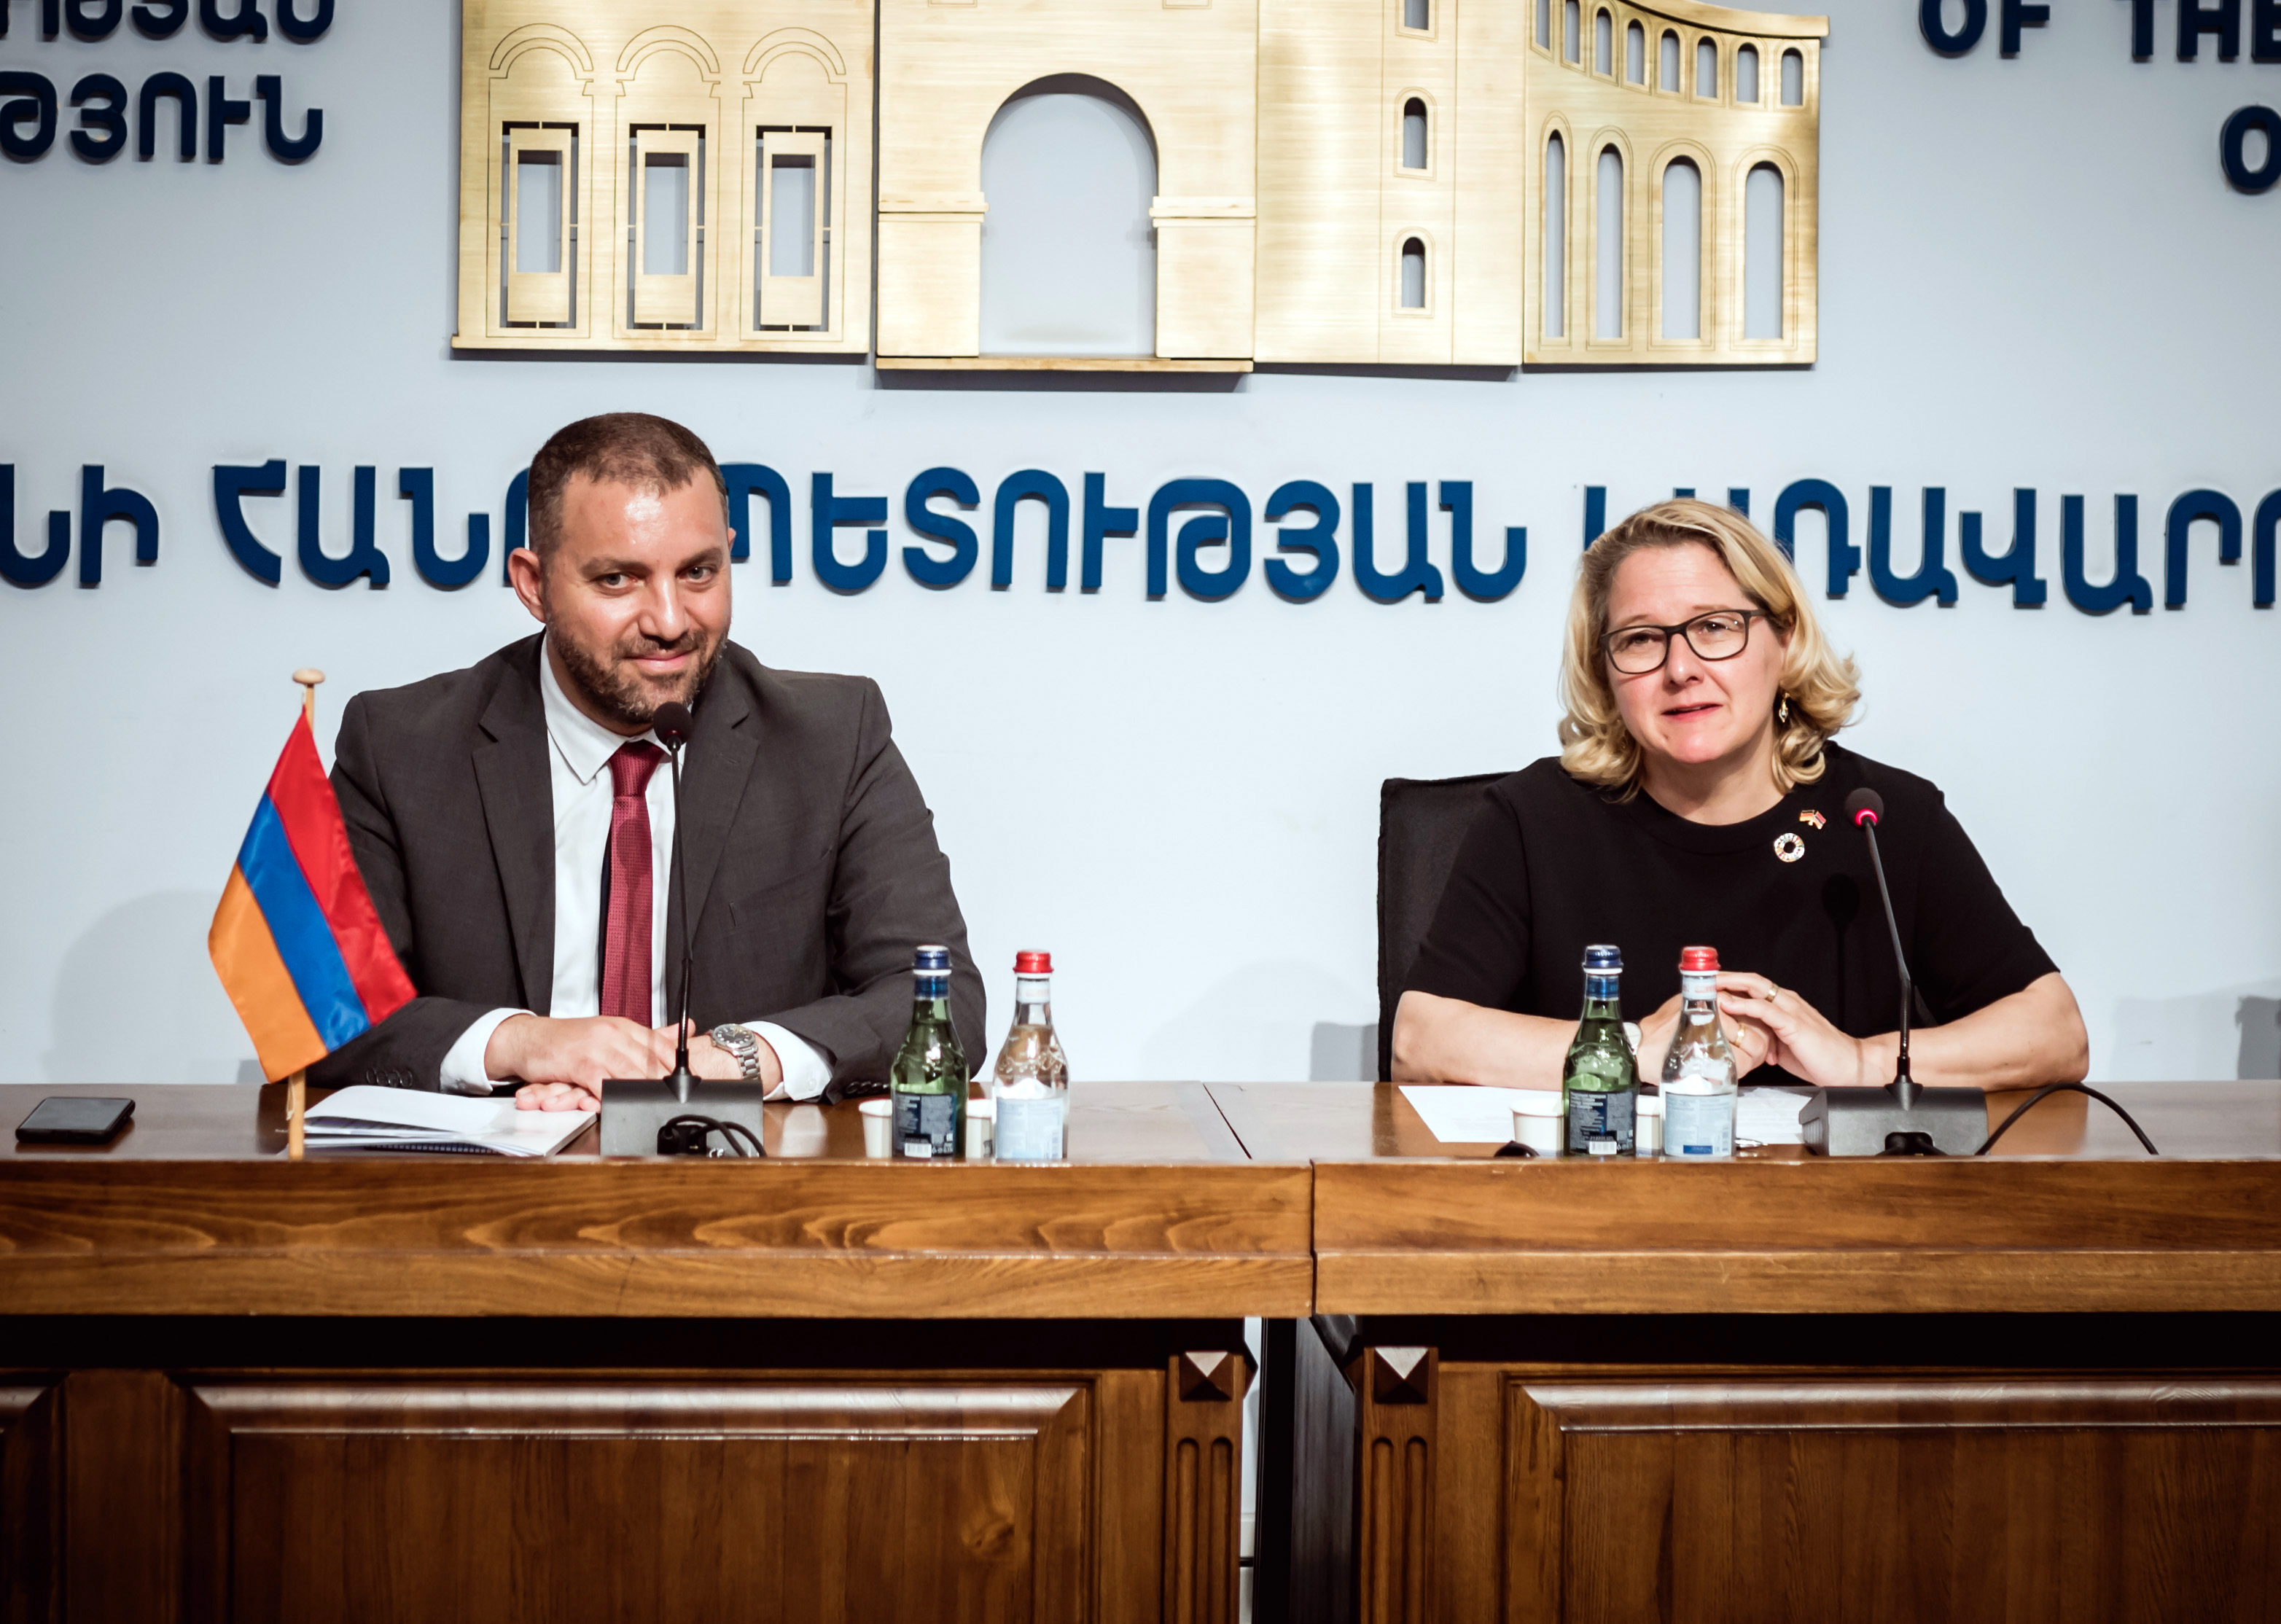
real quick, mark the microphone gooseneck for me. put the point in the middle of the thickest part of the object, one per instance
(1867, 807)
(672, 724)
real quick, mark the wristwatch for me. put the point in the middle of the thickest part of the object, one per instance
(743, 1044)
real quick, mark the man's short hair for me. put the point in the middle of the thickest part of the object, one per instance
(625, 448)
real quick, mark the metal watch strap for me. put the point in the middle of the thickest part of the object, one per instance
(744, 1044)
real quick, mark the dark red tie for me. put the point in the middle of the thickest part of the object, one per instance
(625, 933)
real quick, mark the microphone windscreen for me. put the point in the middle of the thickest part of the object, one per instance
(672, 724)
(1866, 803)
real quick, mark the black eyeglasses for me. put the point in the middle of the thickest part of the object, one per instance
(1719, 634)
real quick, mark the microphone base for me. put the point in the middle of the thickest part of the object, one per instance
(634, 1108)
(1856, 1121)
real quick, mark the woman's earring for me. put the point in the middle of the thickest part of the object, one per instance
(1781, 711)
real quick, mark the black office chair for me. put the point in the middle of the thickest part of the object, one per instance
(1421, 822)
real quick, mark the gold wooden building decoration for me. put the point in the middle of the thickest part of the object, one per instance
(951, 65)
(683, 177)
(1424, 182)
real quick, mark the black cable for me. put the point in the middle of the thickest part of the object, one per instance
(712, 1125)
(730, 1130)
(2051, 1088)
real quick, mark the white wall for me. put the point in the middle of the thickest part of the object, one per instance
(2032, 274)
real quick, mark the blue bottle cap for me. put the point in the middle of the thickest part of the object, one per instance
(1603, 958)
(934, 959)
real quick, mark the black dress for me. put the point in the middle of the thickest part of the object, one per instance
(1551, 865)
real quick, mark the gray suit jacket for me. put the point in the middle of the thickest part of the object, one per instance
(813, 870)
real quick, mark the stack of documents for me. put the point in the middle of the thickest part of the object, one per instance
(369, 1118)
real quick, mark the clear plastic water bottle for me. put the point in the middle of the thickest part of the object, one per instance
(1030, 1084)
(1698, 1073)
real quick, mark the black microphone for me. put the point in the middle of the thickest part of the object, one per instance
(673, 725)
(650, 1117)
(1866, 808)
(1900, 1118)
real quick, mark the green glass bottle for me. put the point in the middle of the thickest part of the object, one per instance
(1599, 1084)
(928, 1076)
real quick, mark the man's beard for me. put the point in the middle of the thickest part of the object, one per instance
(620, 695)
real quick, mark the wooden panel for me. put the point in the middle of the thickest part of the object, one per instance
(1901, 1499)
(581, 1499)
(1933, 1236)
(122, 1499)
(1651, 124)
(1394, 1490)
(730, 68)
(1122, 1122)
(1203, 1484)
(31, 1493)
(1354, 1122)
(768, 1239)
(804, 1233)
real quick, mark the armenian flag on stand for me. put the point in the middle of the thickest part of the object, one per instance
(295, 940)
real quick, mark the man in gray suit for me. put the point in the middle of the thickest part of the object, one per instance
(514, 822)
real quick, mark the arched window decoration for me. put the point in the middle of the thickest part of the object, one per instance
(666, 187)
(1667, 63)
(1069, 261)
(1418, 14)
(1544, 24)
(1556, 238)
(1635, 54)
(1413, 135)
(1603, 43)
(1762, 253)
(1608, 295)
(1707, 70)
(1746, 74)
(793, 207)
(1572, 37)
(1413, 274)
(1793, 75)
(1682, 249)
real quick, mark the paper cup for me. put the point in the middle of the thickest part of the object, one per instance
(981, 1129)
(878, 1125)
(1647, 1125)
(1536, 1123)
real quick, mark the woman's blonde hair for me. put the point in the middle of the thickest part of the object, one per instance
(1821, 688)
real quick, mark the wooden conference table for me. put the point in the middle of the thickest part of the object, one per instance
(822, 1388)
(2042, 1386)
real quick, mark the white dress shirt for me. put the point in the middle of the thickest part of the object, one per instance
(578, 760)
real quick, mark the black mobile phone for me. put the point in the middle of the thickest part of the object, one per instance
(63, 1120)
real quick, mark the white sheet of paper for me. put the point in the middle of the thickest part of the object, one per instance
(1769, 1116)
(1466, 1115)
(1463, 1115)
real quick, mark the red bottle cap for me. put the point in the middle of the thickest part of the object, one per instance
(1033, 964)
(1698, 958)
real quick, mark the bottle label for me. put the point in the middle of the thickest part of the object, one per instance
(1700, 1125)
(926, 1124)
(1028, 1130)
(1600, 1124)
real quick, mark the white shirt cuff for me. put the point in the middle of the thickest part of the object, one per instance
(807, 1073)
(463, 1071)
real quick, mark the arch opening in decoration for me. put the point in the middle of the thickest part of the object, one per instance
(1069, 257)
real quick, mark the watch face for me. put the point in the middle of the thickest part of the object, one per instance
(731, 1037)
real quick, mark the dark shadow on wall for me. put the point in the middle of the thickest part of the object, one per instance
(1337, 1054)
(2259, 1020)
